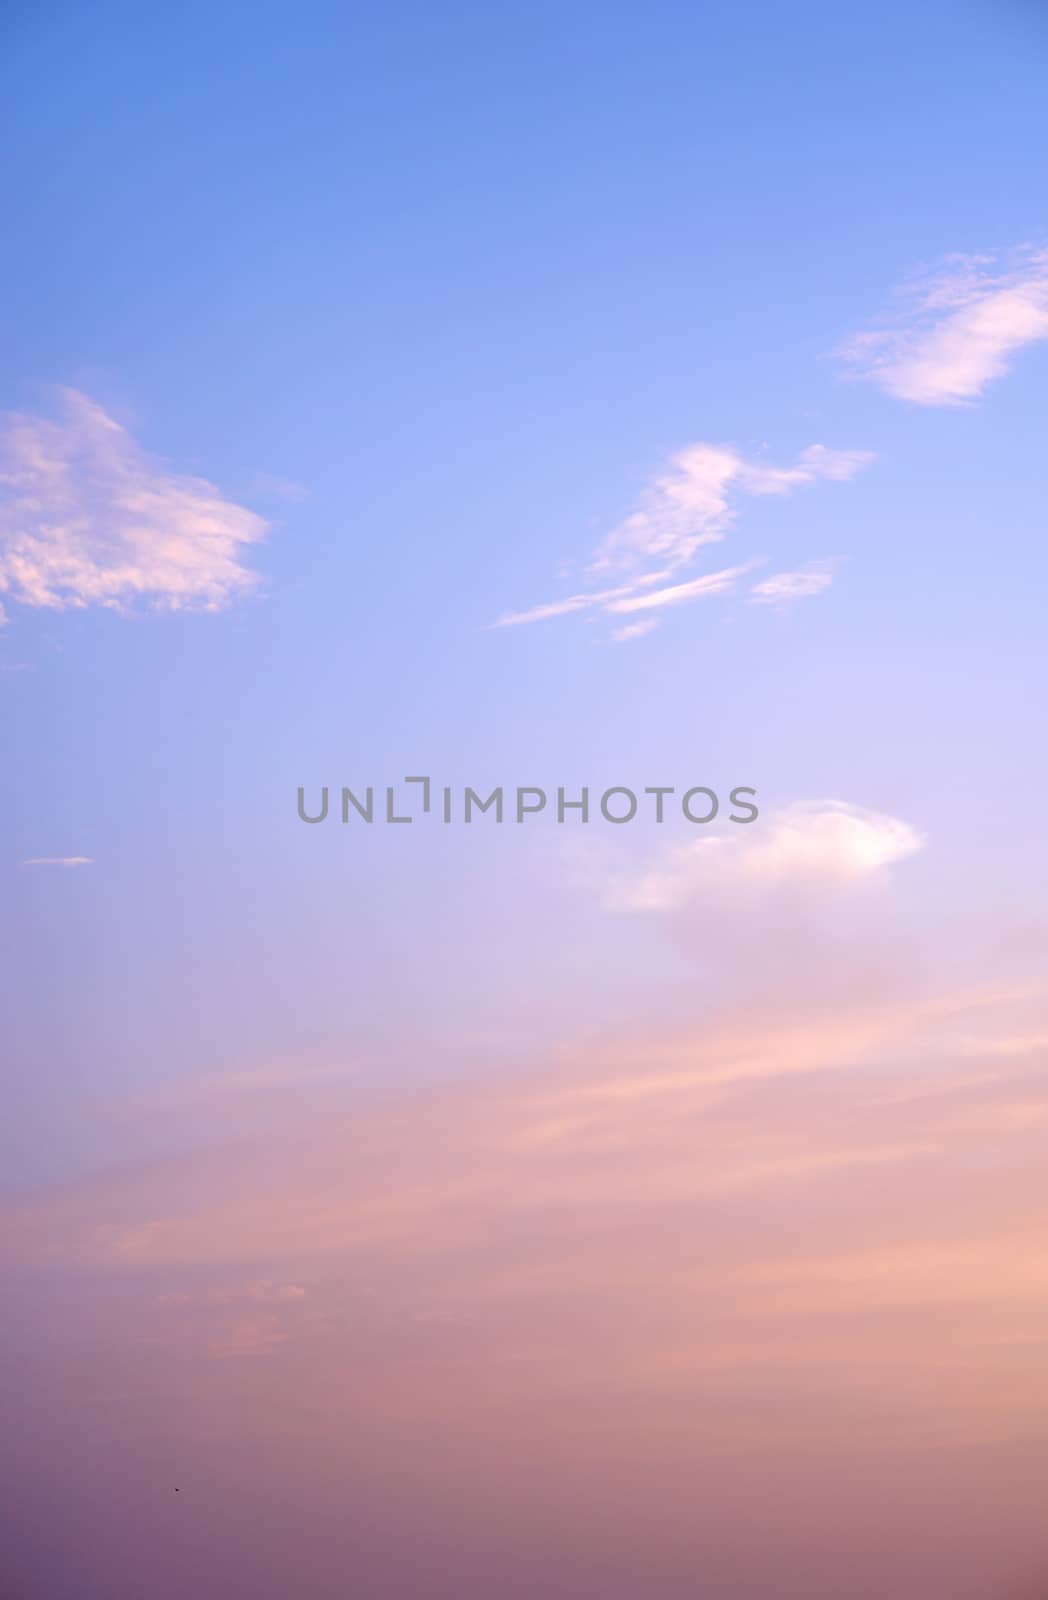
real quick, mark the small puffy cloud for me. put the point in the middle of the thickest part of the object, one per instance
(87, 518)
(826, 844)
(58, 861)
(782, 587)
(691, 503)
(958, 330)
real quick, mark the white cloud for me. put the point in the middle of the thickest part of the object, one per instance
(691, 503)
(685, 507)
(58, 861)
(635, 630)
(680, 593)
(800, 585)
(819, 844)
(959, 330)
(578, 602)
(812, 464)
(88, 519)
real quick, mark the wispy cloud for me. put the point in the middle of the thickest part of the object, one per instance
(678, 594)
(783, 587)
(87, 518)
(691, 503)
(635, 630)
(821, 844)
(247, 1319)
(58, 861)
(259, 1292)
(958, 330)
(757, 1240)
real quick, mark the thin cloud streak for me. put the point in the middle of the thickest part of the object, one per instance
(603, 598)
(635, 630)
(59, 861)
(782, 587)
(680, 593)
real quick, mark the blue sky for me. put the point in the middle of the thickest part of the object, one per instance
(339, 341)
(468, 281)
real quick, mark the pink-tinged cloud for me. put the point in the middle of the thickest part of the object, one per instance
(691, 503)
(87, 518)
(720, 1295)
(958, 331)
(741, 1268)
(783, 587)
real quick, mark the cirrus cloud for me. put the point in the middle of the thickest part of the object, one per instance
(781, 587)
(692, 502)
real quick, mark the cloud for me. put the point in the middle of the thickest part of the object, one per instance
(238, 1319)
(691, 503)
(685, 507)
(635, 630)
(603, 598)
(249, 1336)
(260, 1292)
(87, 518)
(823, 844)
(958, 331)
(631, 597)
(680, 593)
(782, 587)
(58, 861)
(406, 1177)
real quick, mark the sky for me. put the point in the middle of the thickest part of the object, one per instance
(545, 399)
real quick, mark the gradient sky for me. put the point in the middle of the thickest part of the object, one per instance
(550, 395)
